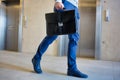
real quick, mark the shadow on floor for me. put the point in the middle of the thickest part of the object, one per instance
(54, 72)
(14, 67)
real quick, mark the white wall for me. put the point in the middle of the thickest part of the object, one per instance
(35, 29)
(111, 31)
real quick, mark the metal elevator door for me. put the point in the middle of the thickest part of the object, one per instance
(87, 32)
(2, 26)
(12, 27)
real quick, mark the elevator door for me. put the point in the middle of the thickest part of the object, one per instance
(12, 27)
(2, 26)
(87, 32)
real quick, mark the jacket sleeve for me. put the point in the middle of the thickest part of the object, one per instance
(58, 0)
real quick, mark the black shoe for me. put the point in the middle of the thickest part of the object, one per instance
(76, 73)
(36, 65)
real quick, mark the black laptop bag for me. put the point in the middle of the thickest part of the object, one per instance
(60, 23)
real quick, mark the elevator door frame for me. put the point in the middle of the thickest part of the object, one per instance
(20, 29)
(2, 26)
(98, 34)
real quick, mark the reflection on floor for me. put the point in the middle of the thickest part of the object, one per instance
(17, 66)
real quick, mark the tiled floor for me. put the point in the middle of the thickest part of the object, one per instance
(17, 66)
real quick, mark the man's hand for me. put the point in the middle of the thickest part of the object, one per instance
(59, 5)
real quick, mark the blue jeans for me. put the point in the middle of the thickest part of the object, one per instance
(72, 45)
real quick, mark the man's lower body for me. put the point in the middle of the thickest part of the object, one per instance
(72, 48)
